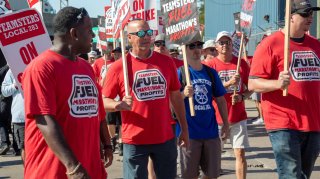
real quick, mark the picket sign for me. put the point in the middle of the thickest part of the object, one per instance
(23, 37)
(181, 27)
(286, 42)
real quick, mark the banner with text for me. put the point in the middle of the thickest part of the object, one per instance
(109, 21)
(181, 20)
(146, 10)
(23, 36)
(246, 16)
(121, 15)
(4, 7)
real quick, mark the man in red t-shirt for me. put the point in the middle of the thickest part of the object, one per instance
(226, 64)
(146, 128)
(293, 121)
(101, 65)
(64, 110)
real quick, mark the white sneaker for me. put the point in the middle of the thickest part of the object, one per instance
(258, 121)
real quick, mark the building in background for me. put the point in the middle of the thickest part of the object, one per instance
(268, 17)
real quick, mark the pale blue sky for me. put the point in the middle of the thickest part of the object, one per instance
(94, 7)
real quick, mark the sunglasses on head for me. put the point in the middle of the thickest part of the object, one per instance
(195, 45)
(82, 14)
(160, 43)
(224, 42)
(306, 14)
(142, 33)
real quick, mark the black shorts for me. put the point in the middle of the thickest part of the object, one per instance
(18, 131)
(114, 118)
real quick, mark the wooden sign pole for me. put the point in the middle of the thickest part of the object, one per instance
(239, 61)
(186, 69)
(286, 42)
(124, 64)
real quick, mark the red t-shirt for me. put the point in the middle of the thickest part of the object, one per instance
(300, 109)
(150, 81)
(236, 112)
(66, 90)
(177, 62)
(100, 67)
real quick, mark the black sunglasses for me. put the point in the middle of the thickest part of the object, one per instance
(306, 14)
(83, 13)
(224, 42)
(195, 45)
(160, 43)
(142, 33)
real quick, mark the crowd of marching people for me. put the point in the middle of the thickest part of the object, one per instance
(73, 114)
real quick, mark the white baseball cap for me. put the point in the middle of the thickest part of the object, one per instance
(208, 44)
(223, 34)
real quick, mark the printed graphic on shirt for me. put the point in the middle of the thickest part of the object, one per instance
(225, 76)
(305, 66)
(104, 70)
(149, 85)
(83, 101)
(201, 94)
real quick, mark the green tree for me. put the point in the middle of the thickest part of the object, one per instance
(201, 11)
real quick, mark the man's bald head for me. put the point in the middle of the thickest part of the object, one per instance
(136, 25)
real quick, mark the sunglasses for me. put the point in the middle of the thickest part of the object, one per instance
(224, 42)
(142, 33)
(160, 43)
(306, 14)
(194, 46)
(212, 49)
(82, 14)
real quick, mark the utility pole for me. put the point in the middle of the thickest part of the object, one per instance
(64, 3)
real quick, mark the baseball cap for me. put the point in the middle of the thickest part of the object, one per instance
(160, 37)
(92, 54)
(302, 6)
(208, 44)
(223, 34)
(118, 49)
(196, 38)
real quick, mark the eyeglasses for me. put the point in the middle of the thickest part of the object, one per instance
(194, 46)
(306, 14)
(83, 13)
(224, 42)
(142, 33)
(160, 43)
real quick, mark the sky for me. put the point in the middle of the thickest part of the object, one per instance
(94, 7)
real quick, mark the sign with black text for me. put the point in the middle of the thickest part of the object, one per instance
(181, 20)
(23, 36)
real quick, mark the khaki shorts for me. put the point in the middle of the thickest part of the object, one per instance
(239, 135)
(203, 153)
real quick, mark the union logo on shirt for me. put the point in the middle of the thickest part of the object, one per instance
(305, 66)
(83, 101)
(225, 76)
(149, 85)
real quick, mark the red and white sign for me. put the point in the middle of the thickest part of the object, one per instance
(4, 7)
(109, 21)
(23, 36)
(121, 15)
(146, 10)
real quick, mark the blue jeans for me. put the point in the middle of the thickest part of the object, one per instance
(164, 158)
(295, 152)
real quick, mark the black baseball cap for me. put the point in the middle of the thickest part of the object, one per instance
(118, 49)
(302, 6)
